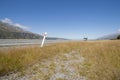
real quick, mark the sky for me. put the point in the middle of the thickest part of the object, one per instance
(72, 19)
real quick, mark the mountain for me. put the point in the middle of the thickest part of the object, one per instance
(113, 36)
(8, 31)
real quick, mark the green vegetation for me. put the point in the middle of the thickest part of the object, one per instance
(101, 58)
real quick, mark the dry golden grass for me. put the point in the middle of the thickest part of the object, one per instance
(101, 58)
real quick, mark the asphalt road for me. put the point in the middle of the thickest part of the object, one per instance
(15, 42)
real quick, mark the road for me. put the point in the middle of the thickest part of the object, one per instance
(15, 42)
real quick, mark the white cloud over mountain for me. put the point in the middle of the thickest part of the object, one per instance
(9, 21)
(6, 20)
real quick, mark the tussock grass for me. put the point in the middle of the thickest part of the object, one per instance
(101, 58)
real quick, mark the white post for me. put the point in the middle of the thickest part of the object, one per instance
(44, 36)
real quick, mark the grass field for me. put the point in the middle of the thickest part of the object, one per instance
(85, 60)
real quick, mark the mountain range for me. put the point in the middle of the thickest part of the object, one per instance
(113, 36)
(8, 31)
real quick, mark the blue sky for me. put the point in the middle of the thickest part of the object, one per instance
(72, 19)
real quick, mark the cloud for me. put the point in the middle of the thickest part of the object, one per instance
(9, 21)
(6, 20)
(20, 26)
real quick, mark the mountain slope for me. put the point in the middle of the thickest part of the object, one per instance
(13, 32)
(110, 36)
(8, 31)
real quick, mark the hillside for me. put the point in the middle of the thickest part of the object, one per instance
(8, 31)
(13, 32)
(113, 36)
